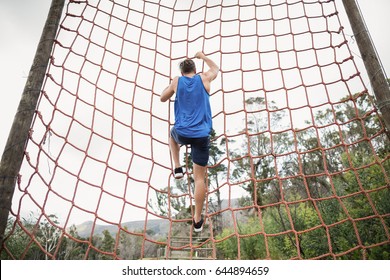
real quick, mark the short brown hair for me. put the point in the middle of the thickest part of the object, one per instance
(187, 66)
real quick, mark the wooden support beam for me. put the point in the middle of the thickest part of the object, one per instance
(371, 61)
(14, 150)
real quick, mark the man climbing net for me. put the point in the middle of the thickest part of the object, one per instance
(193, 124)
(299, 160)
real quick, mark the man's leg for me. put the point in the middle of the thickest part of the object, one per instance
(200, 190)
(175, 150)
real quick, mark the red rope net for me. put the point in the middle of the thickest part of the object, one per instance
(299, 164)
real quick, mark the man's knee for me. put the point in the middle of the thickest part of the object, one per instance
(199, 172)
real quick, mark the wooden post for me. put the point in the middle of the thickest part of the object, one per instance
(370, 59)
(13, 154)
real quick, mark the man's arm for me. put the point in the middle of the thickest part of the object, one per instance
(169, 90)
(212, 73)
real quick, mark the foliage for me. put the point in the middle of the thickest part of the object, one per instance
(322, 197)
(33, 239)
(318, 192)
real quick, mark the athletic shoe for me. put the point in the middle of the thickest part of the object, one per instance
(178, 173)
(199, 225)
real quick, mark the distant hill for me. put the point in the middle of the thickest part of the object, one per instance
(154, 227)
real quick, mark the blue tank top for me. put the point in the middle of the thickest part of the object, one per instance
(192, 108)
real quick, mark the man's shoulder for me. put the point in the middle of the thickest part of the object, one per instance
(175, 81)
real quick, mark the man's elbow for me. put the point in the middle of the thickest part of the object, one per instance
(167, 93)
(163, 98)
(216, 70)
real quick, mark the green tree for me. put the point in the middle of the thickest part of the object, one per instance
(31, 238)
(73, 247)
(49, 234)
(310, 170)
(130, 245)
(107, 245)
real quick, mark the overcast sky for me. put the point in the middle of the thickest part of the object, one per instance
(21, 24)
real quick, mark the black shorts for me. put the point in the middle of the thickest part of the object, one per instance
(199, 147)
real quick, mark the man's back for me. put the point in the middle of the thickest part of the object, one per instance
(193, 117)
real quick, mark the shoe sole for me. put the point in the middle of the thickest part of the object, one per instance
(198, 229)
